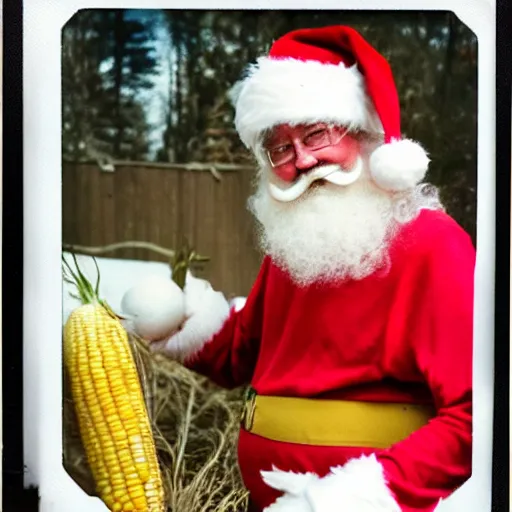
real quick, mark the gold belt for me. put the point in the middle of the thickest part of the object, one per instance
(323, 422)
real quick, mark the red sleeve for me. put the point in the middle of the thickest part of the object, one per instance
(230, 356)
(435, 460)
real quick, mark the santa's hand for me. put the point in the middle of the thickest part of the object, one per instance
(358, 486)
(183, 329)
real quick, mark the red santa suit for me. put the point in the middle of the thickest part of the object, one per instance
(403, 335)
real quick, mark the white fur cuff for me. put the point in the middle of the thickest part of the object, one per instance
(206, 312)
(358, 486)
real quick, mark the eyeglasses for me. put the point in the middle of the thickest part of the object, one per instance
(315, 138)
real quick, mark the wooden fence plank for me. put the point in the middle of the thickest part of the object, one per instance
(94, 202)
(126, 205)
(81, 207)
(188, 200)
(207, 225)
(69, 217)
(153, 198)
(108, 207)
(143, 207)
(170, 209)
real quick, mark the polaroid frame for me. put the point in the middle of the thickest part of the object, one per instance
(42, 324)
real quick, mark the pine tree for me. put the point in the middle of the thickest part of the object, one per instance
(108, 64)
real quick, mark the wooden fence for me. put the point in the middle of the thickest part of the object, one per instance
(165, 205)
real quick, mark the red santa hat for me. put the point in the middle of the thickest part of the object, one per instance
(329, 74)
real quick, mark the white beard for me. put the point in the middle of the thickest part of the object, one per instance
(330, 233)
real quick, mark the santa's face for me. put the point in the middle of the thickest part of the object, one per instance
(328, 232)
(294, 150)
(306, 154)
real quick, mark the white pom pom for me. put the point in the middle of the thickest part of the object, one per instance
(399, 165)
(155, 307)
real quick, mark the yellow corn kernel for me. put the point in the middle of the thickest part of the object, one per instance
(140, 504)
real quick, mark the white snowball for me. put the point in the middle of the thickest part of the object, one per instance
(155, 306)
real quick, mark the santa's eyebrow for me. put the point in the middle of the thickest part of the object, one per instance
(272, 143)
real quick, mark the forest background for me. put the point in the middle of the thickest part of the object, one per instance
(148, 144)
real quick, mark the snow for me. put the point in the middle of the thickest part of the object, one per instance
(116, 277)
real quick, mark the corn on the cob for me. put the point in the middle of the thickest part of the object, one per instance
(111, 411)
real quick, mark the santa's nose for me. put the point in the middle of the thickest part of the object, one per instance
(304, 159)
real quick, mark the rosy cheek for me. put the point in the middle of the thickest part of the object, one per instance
(352, 149)
(345, 153)
(285, 172)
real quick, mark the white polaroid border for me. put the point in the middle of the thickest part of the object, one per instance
(42, 325)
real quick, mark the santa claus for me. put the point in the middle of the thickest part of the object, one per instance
(356, 338)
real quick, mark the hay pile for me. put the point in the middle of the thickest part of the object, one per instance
(195, 428)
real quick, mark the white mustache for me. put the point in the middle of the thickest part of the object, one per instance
(333, 173)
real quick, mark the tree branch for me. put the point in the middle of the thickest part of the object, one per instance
(131, 244)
